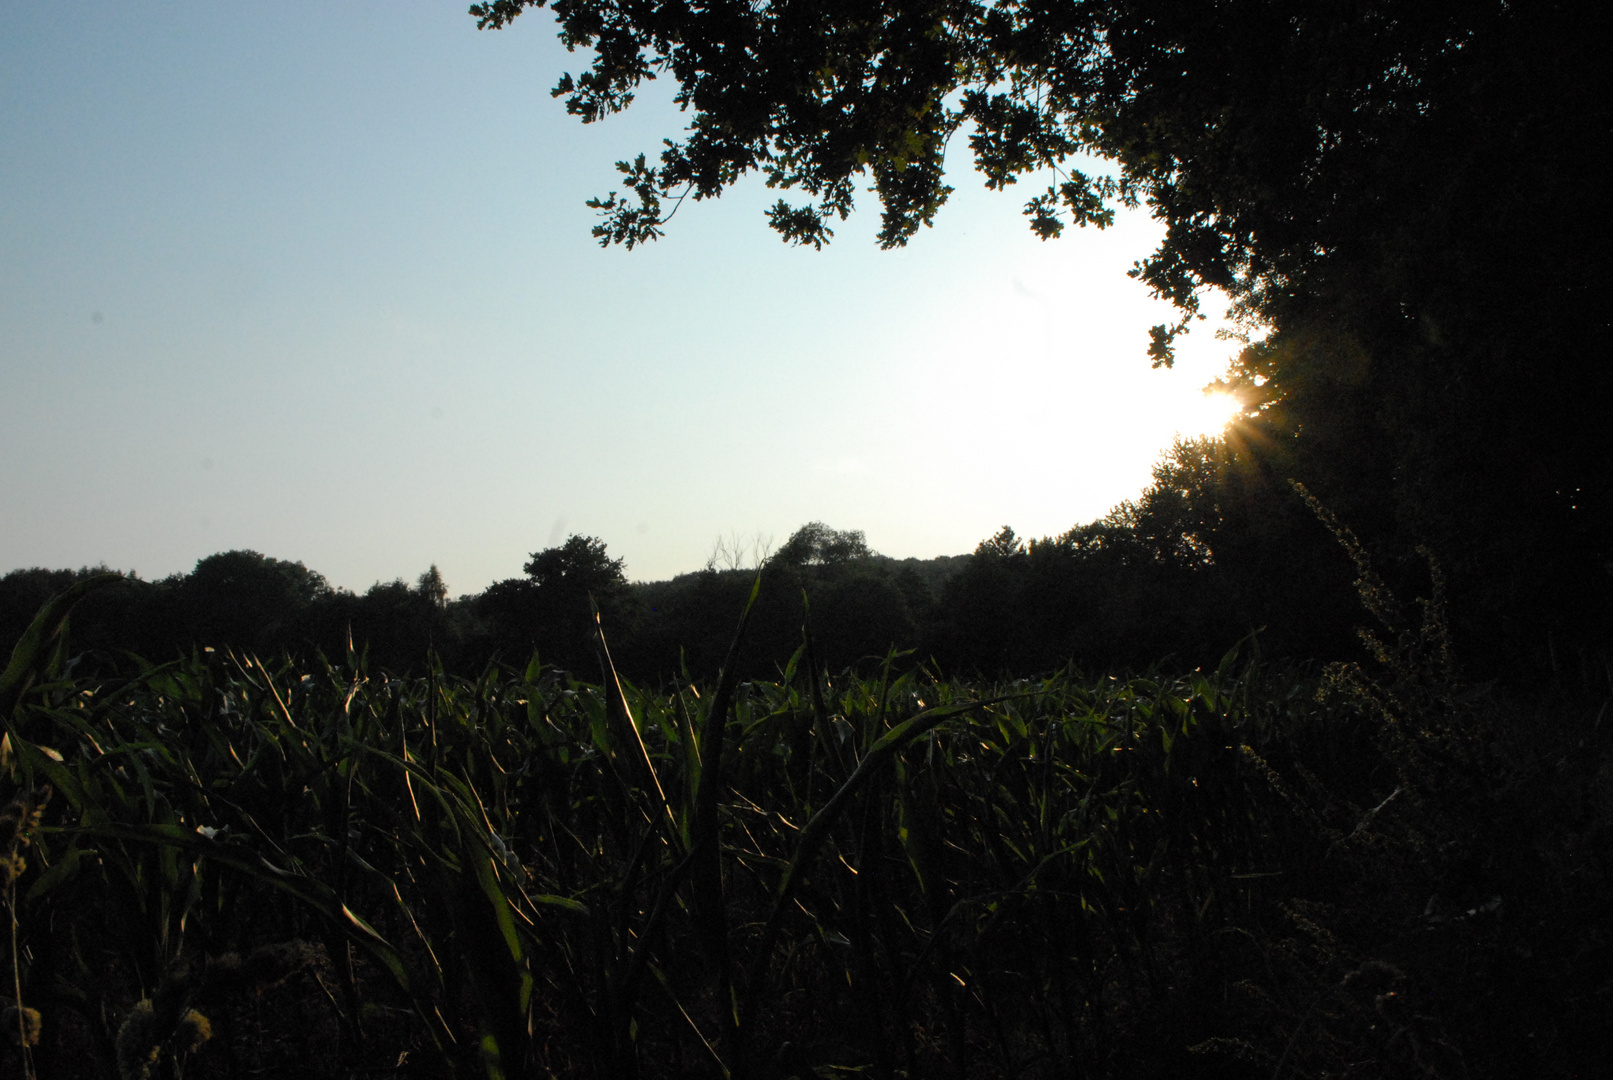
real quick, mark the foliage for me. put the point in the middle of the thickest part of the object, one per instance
(1216, 548)
(815, 544)
(523, 874)
(1241, 125)
(1393, 194)
(553, 608)
(579, 565)
(1136, 586)
(247, 598)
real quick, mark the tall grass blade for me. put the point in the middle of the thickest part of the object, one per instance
(42, 646)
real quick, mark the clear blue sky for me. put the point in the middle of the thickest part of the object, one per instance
(317, 280)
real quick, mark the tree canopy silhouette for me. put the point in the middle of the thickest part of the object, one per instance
(579, 566)
(1394, 193)
(815, 544)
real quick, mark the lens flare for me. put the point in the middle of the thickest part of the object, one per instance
(1207, 414)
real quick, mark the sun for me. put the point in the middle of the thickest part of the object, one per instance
(1206, 414)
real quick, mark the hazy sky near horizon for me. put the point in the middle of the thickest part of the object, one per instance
(317, 280)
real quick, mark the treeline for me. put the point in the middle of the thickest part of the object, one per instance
(1212, 551)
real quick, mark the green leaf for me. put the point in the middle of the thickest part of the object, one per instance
(59, 873)
(42, 642)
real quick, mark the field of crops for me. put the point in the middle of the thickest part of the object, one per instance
(231, 867)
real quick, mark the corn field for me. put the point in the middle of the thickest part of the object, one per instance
(224, 866)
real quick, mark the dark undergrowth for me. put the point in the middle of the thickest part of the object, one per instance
(224, 868)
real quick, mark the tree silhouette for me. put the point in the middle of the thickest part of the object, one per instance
(551, 609)
(577, 567)
(1395, 192)
(433, 588)
(249, 601)
(815, 544)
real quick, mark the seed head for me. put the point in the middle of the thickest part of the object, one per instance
(21, 817)
(137, 1045)
(21, 1025)
(194, 1029)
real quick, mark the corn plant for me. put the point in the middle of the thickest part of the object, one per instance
(524, 874)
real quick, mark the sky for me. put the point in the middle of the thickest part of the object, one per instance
(317, 280)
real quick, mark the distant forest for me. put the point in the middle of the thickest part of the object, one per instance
(1214, 551)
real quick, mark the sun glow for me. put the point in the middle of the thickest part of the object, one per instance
(1207, 414)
